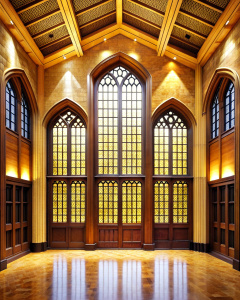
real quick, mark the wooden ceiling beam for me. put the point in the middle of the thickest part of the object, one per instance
(98, 19)
(119, 9)
(39, 19)
(173, 7)
(141, 19)
(185, 42)
(59, 56)
(152, 9)
(91, 7)
(54, 42)
(29, 6)
(181, 57)
(210, 5)
(196, 18)
(69, 17)
(191, 31)
(18, 30)
(37, 35)
(220, 31)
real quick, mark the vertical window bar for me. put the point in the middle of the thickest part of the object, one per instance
(25, 118)
(229, 107)
(11, 107)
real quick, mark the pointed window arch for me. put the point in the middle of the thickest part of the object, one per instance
(11, 107)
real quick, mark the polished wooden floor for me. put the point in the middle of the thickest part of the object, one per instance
(119, 274)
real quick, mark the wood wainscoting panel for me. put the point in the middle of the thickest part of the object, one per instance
(11, 155)
(214, 160)
(228, 155)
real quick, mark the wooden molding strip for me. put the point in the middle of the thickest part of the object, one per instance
(170, 16)
(141, 19)
(183, 58)
(98, 19)
(119, 9)
(58, 56)
(210, 5)
(54, 42)
(69, 17)
(160, 13)
(190, 30)
(220, 31)
(89, 8)
(37, 35)
(37, 20)
(196, 18)
(185, 42)
(29, 6)
(18, 30)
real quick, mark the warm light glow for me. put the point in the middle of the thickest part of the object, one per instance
(134, 55)
(25, 175)
(64, 57)
(106, 54)
(228, 48)
(104, 39)
(135, 40)
(11, 22)
(227, 22)
(12, 52)
(214, 175)
(174, 58)
(12, 173)
(228, 171)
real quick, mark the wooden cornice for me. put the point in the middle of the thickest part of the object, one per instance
(181, 57)
(170, 16)
(18, 30)
(210, 5)
(69, 17)
(220, 31)
(29, 6)
(119, 9)
(58, 56)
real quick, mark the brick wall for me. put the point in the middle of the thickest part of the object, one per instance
(169, 78)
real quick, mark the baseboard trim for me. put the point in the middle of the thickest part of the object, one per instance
(148, 247)
(3, 264)
(236, 264)
(90, 247)
(38, 247)
(200, 247)
(227, 259)
(17, 256)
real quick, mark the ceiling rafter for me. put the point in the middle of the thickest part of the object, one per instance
(210, 5)
(119, 9)
(98, 19)
(29, 6)
(160, 13)
(141, 19)
(185, 42)
(202, 36)
(54, 42)
(37, 35)
(173, 7)
(69, 17)
(196, 18)
(37, 20)
(91, 7)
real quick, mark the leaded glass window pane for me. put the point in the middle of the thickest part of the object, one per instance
(78, 147)
(78, 195)
(180, 202)
(161, 202)
(25, 118)
(170, 139)
(11, 107)
(229, 107)
(131, 202)
(108, 202)
(215, 114)
(59, 202)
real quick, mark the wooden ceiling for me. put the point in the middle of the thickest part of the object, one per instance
(189, 30)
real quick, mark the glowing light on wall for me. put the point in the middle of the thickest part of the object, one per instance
(106, 54)
(214, 175)
(134, 55)
(12, 52)
(228, 171)
(25, 175)
(12, 173)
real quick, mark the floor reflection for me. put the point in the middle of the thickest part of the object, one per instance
(131, 280)
(60, 278)
(108, 279)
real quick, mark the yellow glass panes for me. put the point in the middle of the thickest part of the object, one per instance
(161, 202)
(179, 148)
(131, 202)
(78, 195)
(59, 202)
(108, 126)
(180, 202)
(78, 148)
(131, 126)
(108, 202)
(161, 148)
(60, 148)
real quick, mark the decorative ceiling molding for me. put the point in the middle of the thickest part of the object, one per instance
(171, 13)
(119, 8)
(69, 17)
(210, 5)
(29, 6)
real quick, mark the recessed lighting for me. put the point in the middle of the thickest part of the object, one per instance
(51, 35)
(11, 22)
(187, 36)
(227, 22)
(174, 58)
(104, 39)
(64, 57)
(135, 40)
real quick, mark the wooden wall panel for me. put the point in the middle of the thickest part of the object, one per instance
(25, 162)
(214, 161)
(228, 156)
(11, 155)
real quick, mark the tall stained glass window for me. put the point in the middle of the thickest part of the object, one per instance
(161, 202)
(68, 154)
(11, 107)
(25, 118)
(229, 107)
(170, 145)
(180, 202)
(215, 114)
